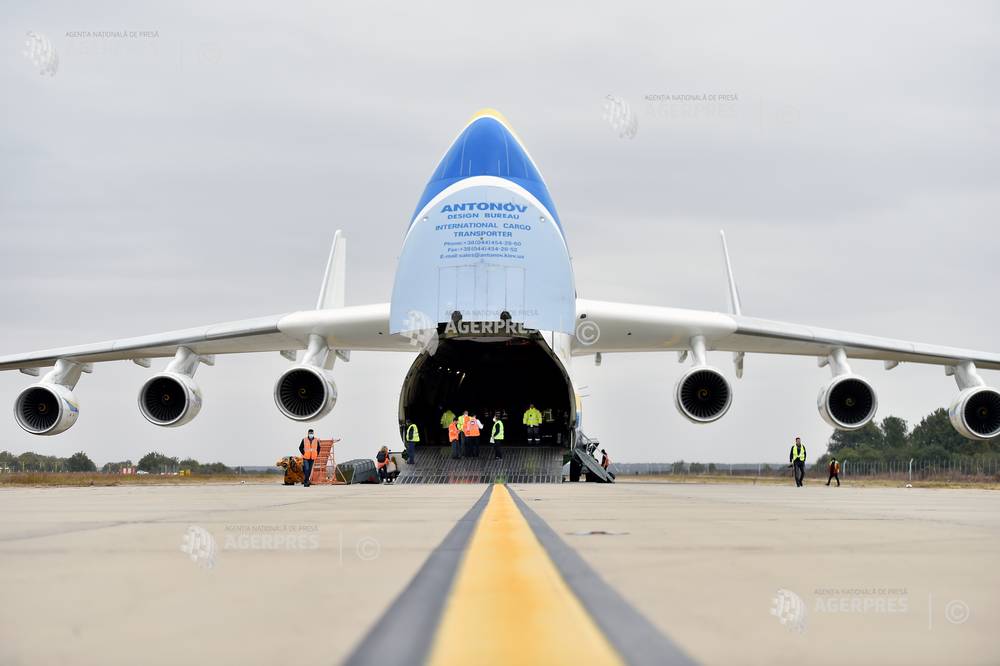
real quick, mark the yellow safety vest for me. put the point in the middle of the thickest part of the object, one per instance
(532, 417)
(798, 452)
(497, 430)
(447, 418)
(411, 433)
(461, 422)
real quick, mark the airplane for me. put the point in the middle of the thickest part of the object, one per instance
(484, 296)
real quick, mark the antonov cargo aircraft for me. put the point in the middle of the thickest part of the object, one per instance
(484, 293)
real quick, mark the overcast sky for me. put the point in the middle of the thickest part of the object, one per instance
(197, 173)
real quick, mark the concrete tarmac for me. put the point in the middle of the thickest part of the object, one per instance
(729, 573)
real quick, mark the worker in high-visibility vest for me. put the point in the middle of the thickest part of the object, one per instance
(496, 436)
(471, 427)
(462, 418)
(834, 470)
(532, 420)
(309, 448)
(412, 437)
(446, 420)
(797, 457)
(453, 433)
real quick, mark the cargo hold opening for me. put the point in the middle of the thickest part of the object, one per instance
(484, 377)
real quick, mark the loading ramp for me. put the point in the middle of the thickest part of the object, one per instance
(520, 464)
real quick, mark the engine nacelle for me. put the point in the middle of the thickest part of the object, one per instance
(305, 393)
(847, 402)
(703, 394)
(169, 399)
(46, 409)
(976, 413)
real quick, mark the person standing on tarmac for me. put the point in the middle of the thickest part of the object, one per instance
(462, 446)
(496, 436)
(532, 420)
(477, 434)
(446, 420)
(471, 429)
(834, 471)
(309, 448)
(382, 464)
(797, 457)
(412, 437)
(453, 439)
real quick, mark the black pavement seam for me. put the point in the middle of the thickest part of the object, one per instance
(413, 617)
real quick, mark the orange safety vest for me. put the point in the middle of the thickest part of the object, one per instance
(310, 448)
(470, 427)
(452, 432)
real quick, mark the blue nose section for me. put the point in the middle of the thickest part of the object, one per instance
(486, 147)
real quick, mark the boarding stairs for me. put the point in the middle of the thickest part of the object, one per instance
(320, 473)
(583, 461)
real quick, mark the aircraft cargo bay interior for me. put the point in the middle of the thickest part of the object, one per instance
(487, 377)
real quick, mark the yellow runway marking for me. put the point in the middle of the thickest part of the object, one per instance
(510, 605)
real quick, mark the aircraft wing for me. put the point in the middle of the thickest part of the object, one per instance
(618, 327)
(363, 328)
(331, 326)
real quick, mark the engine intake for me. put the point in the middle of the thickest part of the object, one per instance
(46, 409)
(169, 399)
(847, 402)
(305, 393)
(976, 413)
(703, 394)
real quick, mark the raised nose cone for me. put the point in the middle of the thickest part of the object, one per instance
(487, 147)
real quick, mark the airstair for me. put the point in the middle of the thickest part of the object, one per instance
(584, 463)
(320, 474)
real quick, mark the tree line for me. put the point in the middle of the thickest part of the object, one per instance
(153, 463)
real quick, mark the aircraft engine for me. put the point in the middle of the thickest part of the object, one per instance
(305, 393)
(847, 402)
(46, 409)
(170, 399)
(976, 413)
(703, 394)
